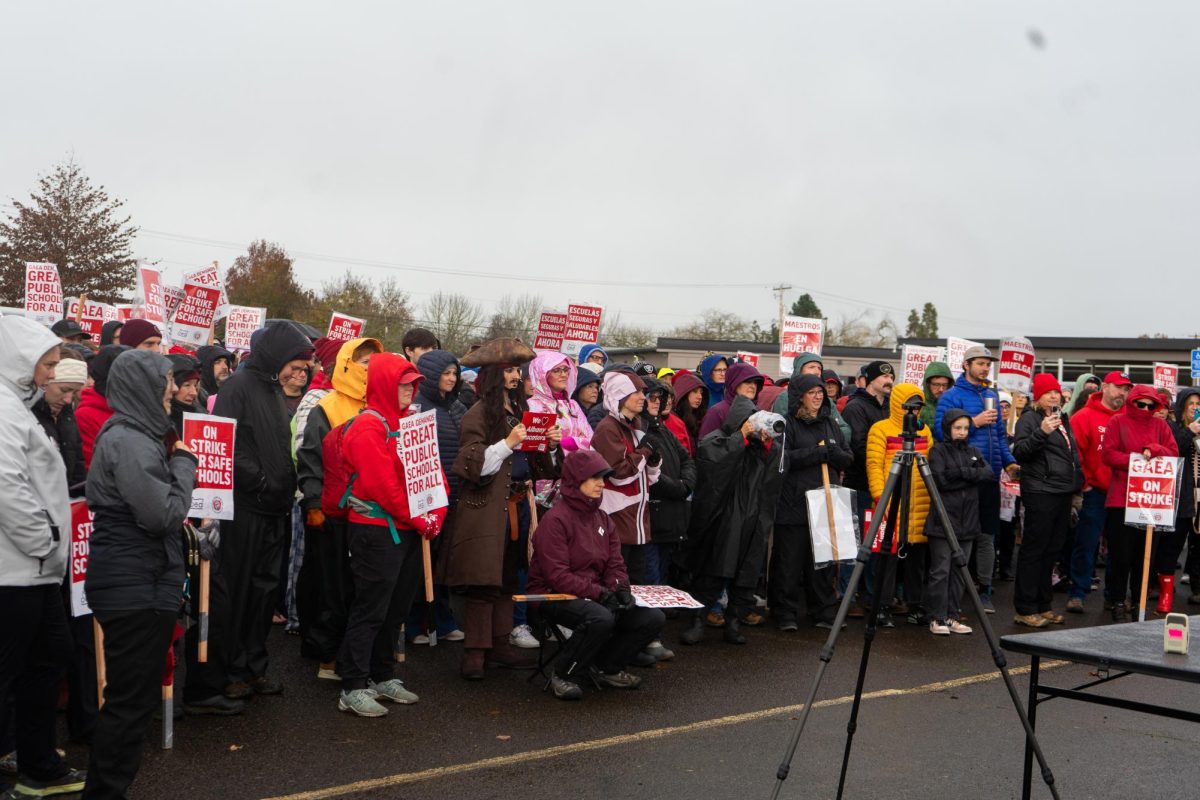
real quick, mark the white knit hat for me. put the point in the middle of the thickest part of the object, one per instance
(70, 370)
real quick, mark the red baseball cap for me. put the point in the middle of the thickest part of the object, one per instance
(1118, 379)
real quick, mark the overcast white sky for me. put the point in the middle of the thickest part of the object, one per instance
(881, 152)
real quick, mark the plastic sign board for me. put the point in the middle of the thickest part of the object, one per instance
(537, 431)
(91, 316)
(747, 358)
(551, 328)
(417, 447)
(956, 350)
(43, 293)
(208, 276)
(583, 327)
(196, 314)
(1151, 490)
(150, 296)
(81, 536)
(241, 322)
(799, 335)
(915, 359)
(343, 327)
(1166, 376)
(212, 440)
(662, 596)
(1015, 371)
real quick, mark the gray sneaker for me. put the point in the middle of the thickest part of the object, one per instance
(392, 690)
(660, 652)
(361, 702)
(617, 680)
(565, 689)
(70, 783)
(986, 601)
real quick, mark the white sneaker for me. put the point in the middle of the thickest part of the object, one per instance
(522, 636)
(421, 638)
(392, 690)
(938, 627)
(453, 636)
(328, 673)
(957, 627)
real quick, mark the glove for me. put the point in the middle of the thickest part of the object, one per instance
(624, 597)
(431, 527)
(208, 536)
(314, 518)
(823, 453)
(610, 601)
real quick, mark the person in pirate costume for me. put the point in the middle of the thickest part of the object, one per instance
(487, 543)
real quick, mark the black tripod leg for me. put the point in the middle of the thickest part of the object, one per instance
(960, 562)
(826, 654)
(894, 523)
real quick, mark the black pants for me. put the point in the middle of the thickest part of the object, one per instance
(325, 590)
(792, 565)
(1126, 549)
(635, 562)
(82, 697)
(1167, 547)
(1047, 518)
(251, 558)
(35, 648)
(944, 587)
(707, 589)
(135, 656)
(386, 576)
(600, 637)
(1192, 565)
(208, 680)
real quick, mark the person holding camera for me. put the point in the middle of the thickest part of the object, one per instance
(812, 439)
(1050, 477)
(577, 552)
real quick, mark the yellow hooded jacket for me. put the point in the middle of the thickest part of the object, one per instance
(349, 381)
(883, 442)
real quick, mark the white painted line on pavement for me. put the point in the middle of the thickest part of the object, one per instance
(641, 736)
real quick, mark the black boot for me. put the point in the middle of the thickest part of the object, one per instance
(694, 632)
(733, 628)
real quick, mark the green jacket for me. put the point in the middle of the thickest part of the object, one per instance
(936, 369)
(780, 406)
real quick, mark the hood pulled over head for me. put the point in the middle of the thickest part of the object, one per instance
(387, 372)
(23, 343)
(136, 385)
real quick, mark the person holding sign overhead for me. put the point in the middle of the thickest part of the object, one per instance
(1138, 430)
(141, 492)
(384, 540)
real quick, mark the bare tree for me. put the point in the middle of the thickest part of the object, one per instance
(614, 333)
(456, 320)
(516, 316)
(716, 325)
(860, 330)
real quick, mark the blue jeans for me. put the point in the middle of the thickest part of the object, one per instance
(1087, 538)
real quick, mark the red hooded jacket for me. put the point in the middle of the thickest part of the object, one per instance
(372, 455)
(91, 415)
(1132, 432)
(1088, 424)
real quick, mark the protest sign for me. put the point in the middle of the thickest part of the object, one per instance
(172, 298)
(583, 327)
(43, 293)
(1010, 492)
(196, 313)
(91, 315)
(150, 296)
(124, 312)
(552, 326)
(1151, 490)
(747, 358)
(241, 322)
(343, 327)
(956, 350)
(81, 536)
(417, 447)
(211, 439)
(799, 335)
(661, 596)
(1166, 376)
(537, 431)
(915, 359)
(210, 277)
(1015, 371)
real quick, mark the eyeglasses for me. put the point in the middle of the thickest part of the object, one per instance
(1145, 405)
(559, 371)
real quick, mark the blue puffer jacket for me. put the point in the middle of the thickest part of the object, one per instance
(990, 439)
(449, 410)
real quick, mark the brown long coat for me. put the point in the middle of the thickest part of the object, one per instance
(472, 554)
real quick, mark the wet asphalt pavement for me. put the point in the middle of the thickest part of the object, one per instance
(727, 706)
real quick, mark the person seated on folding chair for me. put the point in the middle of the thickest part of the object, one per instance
(576, 551)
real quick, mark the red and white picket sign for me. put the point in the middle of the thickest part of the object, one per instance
(81, 536)
(799, 335)
(956, 351)
(92, 316)
(1166, 376)
(1151, 490)
(43, 293)
(210, 277)
(172, 299)
(662, 596)
(583, 327)
(196, 314)
(150, 296)
(915, 359)
(241, 322)
(537, 431)
(552, 327)
(212, 440)
(747, 358)
(417, 447)
(1015, 372)
(343, 327)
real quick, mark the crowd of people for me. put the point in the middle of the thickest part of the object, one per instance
(693, 479)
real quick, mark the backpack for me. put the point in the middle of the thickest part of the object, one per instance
(337, 490)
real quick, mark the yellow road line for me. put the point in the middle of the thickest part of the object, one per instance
(634, 738)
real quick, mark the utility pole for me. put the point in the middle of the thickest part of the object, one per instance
(779, 290)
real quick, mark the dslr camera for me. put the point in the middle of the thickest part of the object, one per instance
(768, 422)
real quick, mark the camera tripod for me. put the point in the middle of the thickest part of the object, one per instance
(895, 500)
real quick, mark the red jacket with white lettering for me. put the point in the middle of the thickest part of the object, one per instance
(370, 447)
(1132, 432)
(1088, 424)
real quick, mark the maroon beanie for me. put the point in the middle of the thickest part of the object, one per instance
(1044, 382)
(137, 331)
(327, 352)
